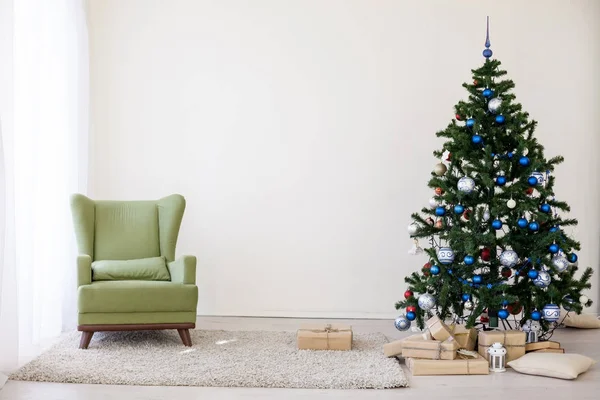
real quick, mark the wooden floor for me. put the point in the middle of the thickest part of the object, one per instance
(504, 386)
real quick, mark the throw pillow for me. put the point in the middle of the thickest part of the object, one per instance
(554, 365)
(144, 269)
(580, 320)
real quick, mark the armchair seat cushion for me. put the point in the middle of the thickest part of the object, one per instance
(136, 296)
(145, 269)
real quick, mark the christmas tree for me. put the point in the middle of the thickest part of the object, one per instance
(496, 230)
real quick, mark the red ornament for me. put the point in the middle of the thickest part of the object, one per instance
(529, 191)
(484, 319)
(449, 157)
(457, 117)
(514, 308)
(522, 271)
(467, 214)
(506, 272)
(426, 268)
(411, 309)
(486, 254)
(408, 294)
(475, 82)
(439, 191)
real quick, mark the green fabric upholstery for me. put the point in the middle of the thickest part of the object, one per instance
(149, 269)
(117, 234)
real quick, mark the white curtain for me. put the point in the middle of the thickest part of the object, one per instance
(43, 159)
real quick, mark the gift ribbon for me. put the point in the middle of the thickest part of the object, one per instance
(328, 329)
(439, 350)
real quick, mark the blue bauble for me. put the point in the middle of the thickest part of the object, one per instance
(567, 303)
(503, 314)
(534, 226)
(434, 270)
(411, 316)
(522, 222)
(497, 224)
(477, 279)
(440, 211)
(572, 257)
(553, 248)
(487, 93)
(554, 229)
(470, 122)
(449, 272)
(489, 286)
(532, 180)
(469, 260)
(536, 315)
(551, 312)
(532, 274)
(505, 302)
(545, 208)
(476, 139)
(510, 155)
(466, 297)
(487, 53)
(500, 119)
(501, 180)
(524, 161)
(458, 209)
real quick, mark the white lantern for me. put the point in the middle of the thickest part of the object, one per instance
(532, 330)
(497, 357)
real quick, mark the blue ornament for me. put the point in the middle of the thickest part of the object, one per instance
(411, 316)
(554, 229)
(477, 279)
(522, 222)
(470, 122)
(567, 303)
(493, 155)
(440, 211)
(536, 315)
(510, 155)
(469, 260)
(500, 119)
(402, 323)
(489, 286)
(487, 93)
(497, 224)
(487, 53)
(505, 302)
(501, 180)
(466, 297)
(545, 208)
(476, 139)
(434, 270)
(524, 161)
(458, 209)
(572, 257)
(532, 274)
(503, 314)
(534, 226)
(532, 180)
(551, 312)
(553, 248)
(449, 272)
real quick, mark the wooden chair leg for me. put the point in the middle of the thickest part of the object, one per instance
(184, 334)
(86, 338)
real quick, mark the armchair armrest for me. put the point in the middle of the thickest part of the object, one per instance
(183, 270)
(84, 270)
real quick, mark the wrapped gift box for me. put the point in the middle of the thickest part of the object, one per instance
(439, 330)
(548, 344)
(394, 348)
(324, 337)
(463, 365)
(430, 349)
(513, 341)
(466, 337)
(559, 350)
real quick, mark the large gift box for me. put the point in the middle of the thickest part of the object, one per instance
(513, 341)
(439, 330)
(394, 348)
(463, 365)
(430, 349)
(466, 337)
(324, 337)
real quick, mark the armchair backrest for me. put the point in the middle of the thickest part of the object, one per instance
(126, 230)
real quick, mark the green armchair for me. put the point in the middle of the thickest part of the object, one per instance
(127, 275)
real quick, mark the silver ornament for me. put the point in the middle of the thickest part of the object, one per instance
(539, 176)
(560, 263)
(551, 312)
(494, 105)
(543, 279)
(433, 203)
(466, 184)
(583, 299)
(567, 303)
(509, 258)
(511, 204)
(426, 301)
(445, 255)
(468, 305)
(486, 215)
(402, 323)
(440, 169)
(412, 229)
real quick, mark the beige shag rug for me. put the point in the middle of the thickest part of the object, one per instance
(218, 358)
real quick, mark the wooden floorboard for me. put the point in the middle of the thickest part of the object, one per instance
(504, 386)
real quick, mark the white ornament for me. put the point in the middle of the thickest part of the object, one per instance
(583, 299)
(543, 279)
(560, 263)
(486, 215)
(497, 357)
(509, 258)
(433, 203)
(494, 105)
(415, 249)
(426, 301)
(466, 184)
(551, 312)
(402, 323)
(468, 305)
(440, 169)
(445, 255)
(511, 204)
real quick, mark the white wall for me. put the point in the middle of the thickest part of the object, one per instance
(301, 132)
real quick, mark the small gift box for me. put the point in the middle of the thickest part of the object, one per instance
(513, 341)
(394, 348)
(548, 344)
(324, 337)
(430, 349)
(439, 330)
(466, 337)
(463, 365)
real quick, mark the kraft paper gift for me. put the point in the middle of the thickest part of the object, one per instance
(324, 337)
(430, 349)
(548, 344)
(439, 330)
(394, 348)
(463, 365)
(465, 337)
(513, 341)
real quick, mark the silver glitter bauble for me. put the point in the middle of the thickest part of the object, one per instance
(466, 184)
(468, 305)
(440, 169)
(494, 105)
(560, 263)
(433, 203)
(509, 258)
(426, 301)
(402, 323)
(543, 279)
